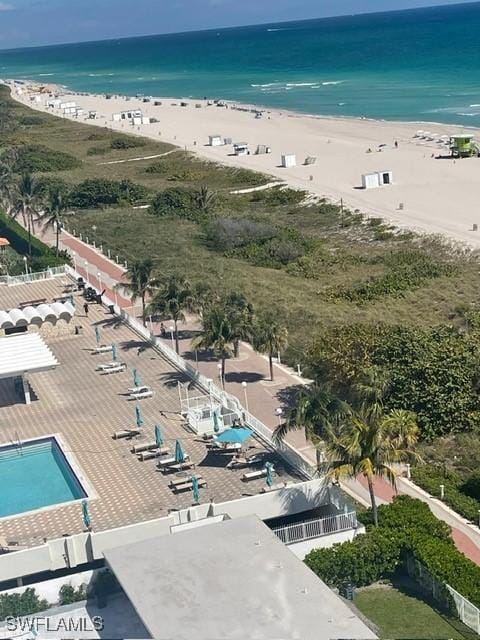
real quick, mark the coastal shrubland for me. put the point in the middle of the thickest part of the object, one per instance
(41, 159)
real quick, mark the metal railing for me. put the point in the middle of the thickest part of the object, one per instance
(34, 277)
(316, 528)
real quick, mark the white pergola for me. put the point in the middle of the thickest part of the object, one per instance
(23, 354)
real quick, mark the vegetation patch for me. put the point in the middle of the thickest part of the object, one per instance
(37, 158)
(127, 142)
(98, 192)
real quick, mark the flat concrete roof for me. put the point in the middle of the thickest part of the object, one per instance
(24, 353)
(230, 580)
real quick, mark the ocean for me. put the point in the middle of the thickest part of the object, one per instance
(416, 65)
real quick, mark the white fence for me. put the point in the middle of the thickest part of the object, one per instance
(316, 528)
(34, 277)
(443, 593)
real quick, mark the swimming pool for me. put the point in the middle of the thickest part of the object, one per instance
(36, 475)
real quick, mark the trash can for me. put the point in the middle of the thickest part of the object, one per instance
(347, 590)
(111, 308)
(78, 330)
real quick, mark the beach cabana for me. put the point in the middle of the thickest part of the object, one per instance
(289, 160)
(377, 179)
(241, 149)
(215, 140)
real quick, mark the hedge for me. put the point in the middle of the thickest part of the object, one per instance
(21, 604)
(458, 494)
(42, 256)
(407, 529)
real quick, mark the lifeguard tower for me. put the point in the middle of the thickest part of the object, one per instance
(463, 146)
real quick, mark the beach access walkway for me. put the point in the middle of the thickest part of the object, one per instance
(262, 396)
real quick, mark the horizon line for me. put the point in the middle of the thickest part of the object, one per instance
(243, 26)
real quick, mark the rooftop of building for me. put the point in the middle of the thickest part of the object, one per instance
(229, 580)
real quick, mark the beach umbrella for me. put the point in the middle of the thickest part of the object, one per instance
(87, 521)
(114, 352)
(137, 381)
(98, 335)
(235, 436)
(179, 453)
(72, 301)
(139, 416)
(216, 422)
(270, 470)
(158, 436)
(195, 489)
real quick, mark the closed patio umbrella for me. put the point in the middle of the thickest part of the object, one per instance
(216, 422)
(114, 352)
(179, 453)
(87, 521)
(139, 416)
(270, 470)
(98, 335)
(195, 489)
(158, 436)
(137, 381)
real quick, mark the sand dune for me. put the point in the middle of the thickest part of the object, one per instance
(438, 195)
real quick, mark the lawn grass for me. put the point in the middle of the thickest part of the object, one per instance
(345, 250)
(401, 615)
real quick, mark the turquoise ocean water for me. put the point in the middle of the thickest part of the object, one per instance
(421, 65)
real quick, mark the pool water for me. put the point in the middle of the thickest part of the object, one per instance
(35, 475)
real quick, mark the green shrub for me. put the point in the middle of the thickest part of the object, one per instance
(98, 192)
(471, 486)
(37, 158)
(127, 142)
(97, 151)
(18, 238)
(68, 594)
(21, 604)
(279, 196)
(226, 234)
(174, 202)
(28, 121)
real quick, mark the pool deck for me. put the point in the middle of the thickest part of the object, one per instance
(86, 408)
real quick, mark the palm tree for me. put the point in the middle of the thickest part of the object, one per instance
(140, 282)
(240, 315)
(7, 182)
(203, 198)
(172, 300)
(52, 216)
(26, 203)
(371, 447)
(270, 337)
(216, 334)
(317, 411)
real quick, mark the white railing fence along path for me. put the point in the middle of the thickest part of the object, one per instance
(34, 277)
(316, 528)
(230, 402)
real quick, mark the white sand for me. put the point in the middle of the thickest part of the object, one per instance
(439, 196)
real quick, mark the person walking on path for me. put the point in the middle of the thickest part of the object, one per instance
(85, 308)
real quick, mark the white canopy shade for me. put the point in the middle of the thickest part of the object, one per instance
(24, 353)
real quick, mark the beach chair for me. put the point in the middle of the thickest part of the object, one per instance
(104, 348)
(239, 462)
(176, 482)
(138, 448)
(147, 393)
(143, 387)
(254, 475)
(179, 466)
(126, 433)
(121, 366)
(106, 365)
(169, 461)
(187, 484)
(153, 453)
(234, 447)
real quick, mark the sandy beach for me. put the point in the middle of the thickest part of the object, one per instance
(437, 195)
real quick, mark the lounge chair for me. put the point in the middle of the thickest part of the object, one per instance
(164, 462)
(275, 487)
(187, 484)
(146, 446)
(239, 462)
(153, 453)
(254, 475)
(234, 447)
(126, 433)
(180, 466)
(175, 482)
(148, 393)
(121, 366)
(108, 365)
(143, 387)
(104, 348)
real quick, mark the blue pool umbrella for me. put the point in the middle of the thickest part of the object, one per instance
(158, 436)
(137, 381)
(269, 469)
(114, 352)
(139, 416)
(234, 436)
(216, 422)
(179, 453)
(72, 301)
(195, 489)
(98, 335)
(87, 521)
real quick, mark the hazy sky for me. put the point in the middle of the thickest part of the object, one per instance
(34, 22)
